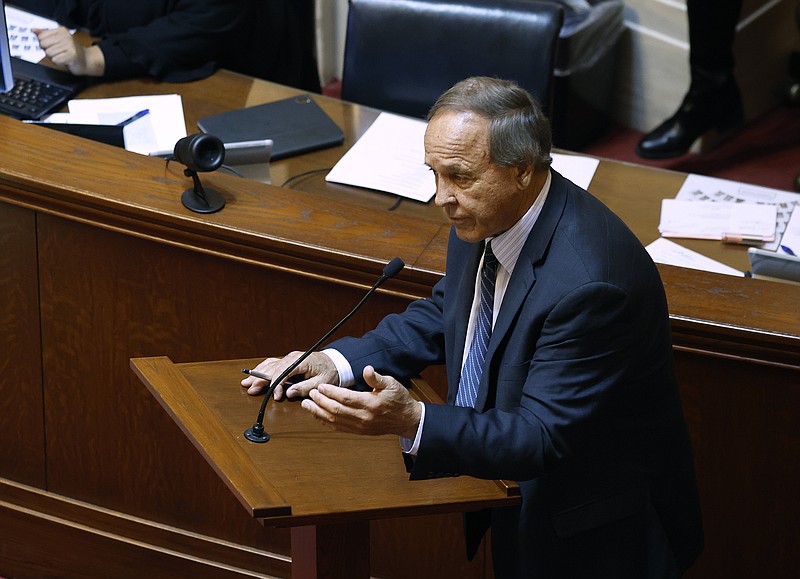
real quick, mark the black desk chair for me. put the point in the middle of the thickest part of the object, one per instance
(400, 55)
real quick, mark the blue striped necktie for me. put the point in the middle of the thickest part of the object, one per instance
(473, 367)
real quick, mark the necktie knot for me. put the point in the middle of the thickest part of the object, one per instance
(490, 262)
(488, 254)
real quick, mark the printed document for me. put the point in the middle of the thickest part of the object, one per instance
(710, 220)
(22, 42)
(703, 188)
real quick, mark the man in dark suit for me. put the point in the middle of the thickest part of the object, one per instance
(558, 352)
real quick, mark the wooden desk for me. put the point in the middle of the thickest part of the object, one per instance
(327, 486)
(100, 262)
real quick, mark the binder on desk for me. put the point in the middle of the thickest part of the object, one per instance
(108, 134)
(295, 125)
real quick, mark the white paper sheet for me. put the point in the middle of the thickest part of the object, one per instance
(23, 43)
(670, 253)
(710, 220)
(790, 242)
(702, 188)
(388, 157)
(576, 168)
(156, 132)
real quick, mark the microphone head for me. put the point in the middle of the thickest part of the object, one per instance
(201, 152)
(393, 267)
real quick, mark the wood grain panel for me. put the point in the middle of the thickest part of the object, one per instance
(321, 476)
(107, 298)
(437, 544)
(46, 535)
(80, 552)
(746, 438)
(21, 419)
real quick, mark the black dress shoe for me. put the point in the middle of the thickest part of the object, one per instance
(719, 109)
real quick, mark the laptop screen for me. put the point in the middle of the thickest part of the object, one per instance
(6, 74)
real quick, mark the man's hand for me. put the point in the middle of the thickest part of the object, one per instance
(317, 369)
(63, 50)
(388, 409)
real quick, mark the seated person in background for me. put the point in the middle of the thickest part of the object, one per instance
(175, 40)
(170, 40)
(553, 325)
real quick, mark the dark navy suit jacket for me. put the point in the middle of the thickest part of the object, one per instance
(578, 401)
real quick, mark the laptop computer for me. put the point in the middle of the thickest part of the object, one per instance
(30, 91)
(294, 125)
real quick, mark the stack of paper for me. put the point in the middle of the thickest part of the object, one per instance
(152, 124)
(724, 191)
(734, 222)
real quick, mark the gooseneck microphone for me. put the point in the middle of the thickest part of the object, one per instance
(256, 433)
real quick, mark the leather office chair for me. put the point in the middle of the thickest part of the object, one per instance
(400, 55)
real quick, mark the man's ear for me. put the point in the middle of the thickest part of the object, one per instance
(524, 175)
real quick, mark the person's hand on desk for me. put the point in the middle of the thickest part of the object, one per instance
(387, 409)
(64, 50)
(317, 369)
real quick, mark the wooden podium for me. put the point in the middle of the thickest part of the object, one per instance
(325, 485)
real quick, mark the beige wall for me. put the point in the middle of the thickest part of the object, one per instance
(653, 72)
(331, 27)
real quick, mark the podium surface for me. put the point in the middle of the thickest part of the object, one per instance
(306, 475)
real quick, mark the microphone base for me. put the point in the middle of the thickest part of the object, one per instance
(193, 201)
(251, 435)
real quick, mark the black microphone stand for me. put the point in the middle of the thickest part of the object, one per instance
(256, 433)
(200, 199)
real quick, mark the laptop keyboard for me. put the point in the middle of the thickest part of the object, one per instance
(30, 98)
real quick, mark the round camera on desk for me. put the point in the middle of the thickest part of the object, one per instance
(201, 153)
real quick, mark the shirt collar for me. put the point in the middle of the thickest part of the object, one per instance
(508, 245)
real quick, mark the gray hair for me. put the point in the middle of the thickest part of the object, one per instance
(519, 132)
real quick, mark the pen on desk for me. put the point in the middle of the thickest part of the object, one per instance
(290, 381)
(135, 117)
(745, 239)
(787, 250)
(257, 374)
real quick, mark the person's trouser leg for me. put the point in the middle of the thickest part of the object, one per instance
(713, 100)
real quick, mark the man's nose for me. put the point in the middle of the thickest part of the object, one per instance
(443, 197)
